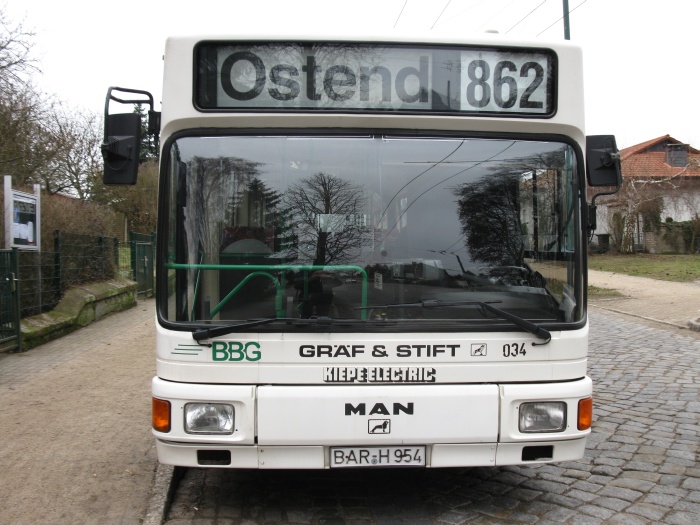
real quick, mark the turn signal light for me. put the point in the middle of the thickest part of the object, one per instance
(161, 415)
(585, 413)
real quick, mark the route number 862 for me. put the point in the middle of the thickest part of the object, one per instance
(504, 84)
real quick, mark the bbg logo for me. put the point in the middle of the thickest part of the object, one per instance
(235, 351)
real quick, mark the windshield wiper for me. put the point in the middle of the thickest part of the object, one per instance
(526, 325)
(216, 331)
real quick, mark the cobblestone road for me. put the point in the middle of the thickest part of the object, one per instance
(640, 466)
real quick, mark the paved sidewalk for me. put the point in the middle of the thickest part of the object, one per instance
(75, 441)
(669, 303)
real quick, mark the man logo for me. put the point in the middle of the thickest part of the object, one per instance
(379, 409)
(379, 426)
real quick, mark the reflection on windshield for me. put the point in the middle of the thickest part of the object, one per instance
(303, 227)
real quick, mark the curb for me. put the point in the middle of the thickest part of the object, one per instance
(694, 324)
(667, 323)
(166, 480)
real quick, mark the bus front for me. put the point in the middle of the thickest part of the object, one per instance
(371, 255)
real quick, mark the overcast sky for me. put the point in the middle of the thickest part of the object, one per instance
(642, 78)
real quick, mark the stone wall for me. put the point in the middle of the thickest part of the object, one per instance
(79, 307)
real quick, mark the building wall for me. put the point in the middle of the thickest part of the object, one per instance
(684, 206)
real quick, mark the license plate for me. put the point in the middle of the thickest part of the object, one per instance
(378, 456)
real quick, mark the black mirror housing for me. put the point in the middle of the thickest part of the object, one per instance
(602, 161)
(121, 148)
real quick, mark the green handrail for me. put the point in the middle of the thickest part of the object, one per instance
(196, 287)
(263, 269)
(278, 293)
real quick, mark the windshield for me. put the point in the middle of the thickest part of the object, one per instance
(404, 233)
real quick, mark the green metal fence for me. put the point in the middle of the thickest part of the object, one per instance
(137, 261)
(10, 334)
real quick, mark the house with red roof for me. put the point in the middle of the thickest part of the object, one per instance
(658, 205)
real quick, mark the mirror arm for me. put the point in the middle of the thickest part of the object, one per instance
(153, 116)
(593, 209)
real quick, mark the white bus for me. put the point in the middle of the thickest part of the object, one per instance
(370, 253)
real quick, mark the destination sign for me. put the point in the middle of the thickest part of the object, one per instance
(376, 78)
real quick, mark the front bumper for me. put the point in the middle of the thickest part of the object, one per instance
(296, 426)
(318, 457)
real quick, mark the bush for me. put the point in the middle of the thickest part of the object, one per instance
(684, 236)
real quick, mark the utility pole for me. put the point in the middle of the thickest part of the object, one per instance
(567, 35)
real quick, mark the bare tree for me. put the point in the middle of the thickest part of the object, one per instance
(75, 165)
(23, 147)
(326, 209)
(16, 62)
(139, 202)
(25, 143)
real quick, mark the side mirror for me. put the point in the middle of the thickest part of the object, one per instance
(602, 169)
(122, 138)
(121, 148)
(602, 161)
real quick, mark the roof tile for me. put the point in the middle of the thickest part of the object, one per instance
(640, 163)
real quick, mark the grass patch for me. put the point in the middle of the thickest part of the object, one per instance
(678, 268)
(595, 292)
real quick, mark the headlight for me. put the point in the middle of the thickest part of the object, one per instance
(208, 418)
(542, 417)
